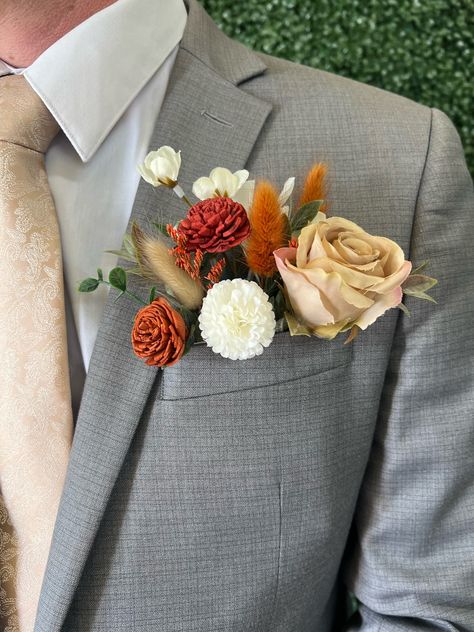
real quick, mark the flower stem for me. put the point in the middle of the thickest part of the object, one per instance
(131, 294)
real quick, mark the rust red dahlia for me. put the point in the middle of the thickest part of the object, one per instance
(215, 225)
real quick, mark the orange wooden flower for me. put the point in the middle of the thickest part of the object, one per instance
(315, 186)
(159, 334)
(268, 228)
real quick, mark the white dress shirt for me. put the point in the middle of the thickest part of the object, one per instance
(104, 82)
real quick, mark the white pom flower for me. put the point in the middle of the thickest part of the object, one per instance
(161, 167)
(237, 319)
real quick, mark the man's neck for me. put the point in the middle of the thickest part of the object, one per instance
(28, 27)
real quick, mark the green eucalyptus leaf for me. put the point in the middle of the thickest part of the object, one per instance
(404, 309)
(100, 274)
(296, 328)
(421, 267)
(304, 215)
(189, 317)
(420, 294)
(418, 283)
(152, 295)
(89, 285)
(118, 279)
(190, 340)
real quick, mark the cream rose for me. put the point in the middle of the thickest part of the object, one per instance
(340, 276)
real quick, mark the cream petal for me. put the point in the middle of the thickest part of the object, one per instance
(334, 293)
(328, 332)
(286, 191)
(224, 181)
(320, 217)
(353, 277)
(383, 302)
(393, 280)
(305, 241)
(343, 224)
(148, 175)
(172, 159)
(330, 251)
(245, 194)
(203, 188)
(304, 296)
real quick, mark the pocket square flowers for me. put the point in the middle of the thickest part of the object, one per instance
(245, 262)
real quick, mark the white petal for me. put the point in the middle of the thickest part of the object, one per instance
(286, 191)
(245, 194)
(203, 188)
(148, 175)
(242, 176)
(224, 181)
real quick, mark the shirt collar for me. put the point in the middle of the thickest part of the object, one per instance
(89, 77)
(5, 69)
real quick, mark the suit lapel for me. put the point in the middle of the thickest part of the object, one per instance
(214, 123)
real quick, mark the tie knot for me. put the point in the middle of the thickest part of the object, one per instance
(24, 118)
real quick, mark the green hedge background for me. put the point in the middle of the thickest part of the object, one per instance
(422, 49)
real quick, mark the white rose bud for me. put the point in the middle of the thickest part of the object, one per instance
(161, 167)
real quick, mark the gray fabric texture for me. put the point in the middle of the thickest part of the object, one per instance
(237, 496)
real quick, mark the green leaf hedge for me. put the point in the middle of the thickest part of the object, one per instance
(422, 49)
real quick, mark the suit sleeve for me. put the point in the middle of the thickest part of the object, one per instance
(411, 565)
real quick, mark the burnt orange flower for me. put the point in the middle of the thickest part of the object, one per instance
(159, 334)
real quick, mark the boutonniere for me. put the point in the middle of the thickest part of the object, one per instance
(245, 262)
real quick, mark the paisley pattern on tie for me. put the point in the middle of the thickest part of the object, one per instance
(35, 403)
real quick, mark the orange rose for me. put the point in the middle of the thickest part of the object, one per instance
(159, 334)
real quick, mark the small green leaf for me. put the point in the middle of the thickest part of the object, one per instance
(152, 295)
(189, 317)
(296, 328)
(118, 279)
(420, 294)
(190, 339)
(88, 285)
(421, 267)
(404, 309)
(418, 283)
(100, 274)
(304, 215)
(161, 228)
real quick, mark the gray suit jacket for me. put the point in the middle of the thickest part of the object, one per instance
(237, 496)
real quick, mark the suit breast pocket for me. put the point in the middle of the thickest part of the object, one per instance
(204, 373)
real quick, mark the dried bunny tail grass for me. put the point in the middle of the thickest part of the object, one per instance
(268, 230)
(154, 257)
(315, 187)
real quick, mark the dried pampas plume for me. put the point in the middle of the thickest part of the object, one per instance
(315, 186)
(268, 230)
(156, 261)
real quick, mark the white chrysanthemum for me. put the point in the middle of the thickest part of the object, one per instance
(237, 319)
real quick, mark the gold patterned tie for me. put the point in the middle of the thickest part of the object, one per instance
(35, 403)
